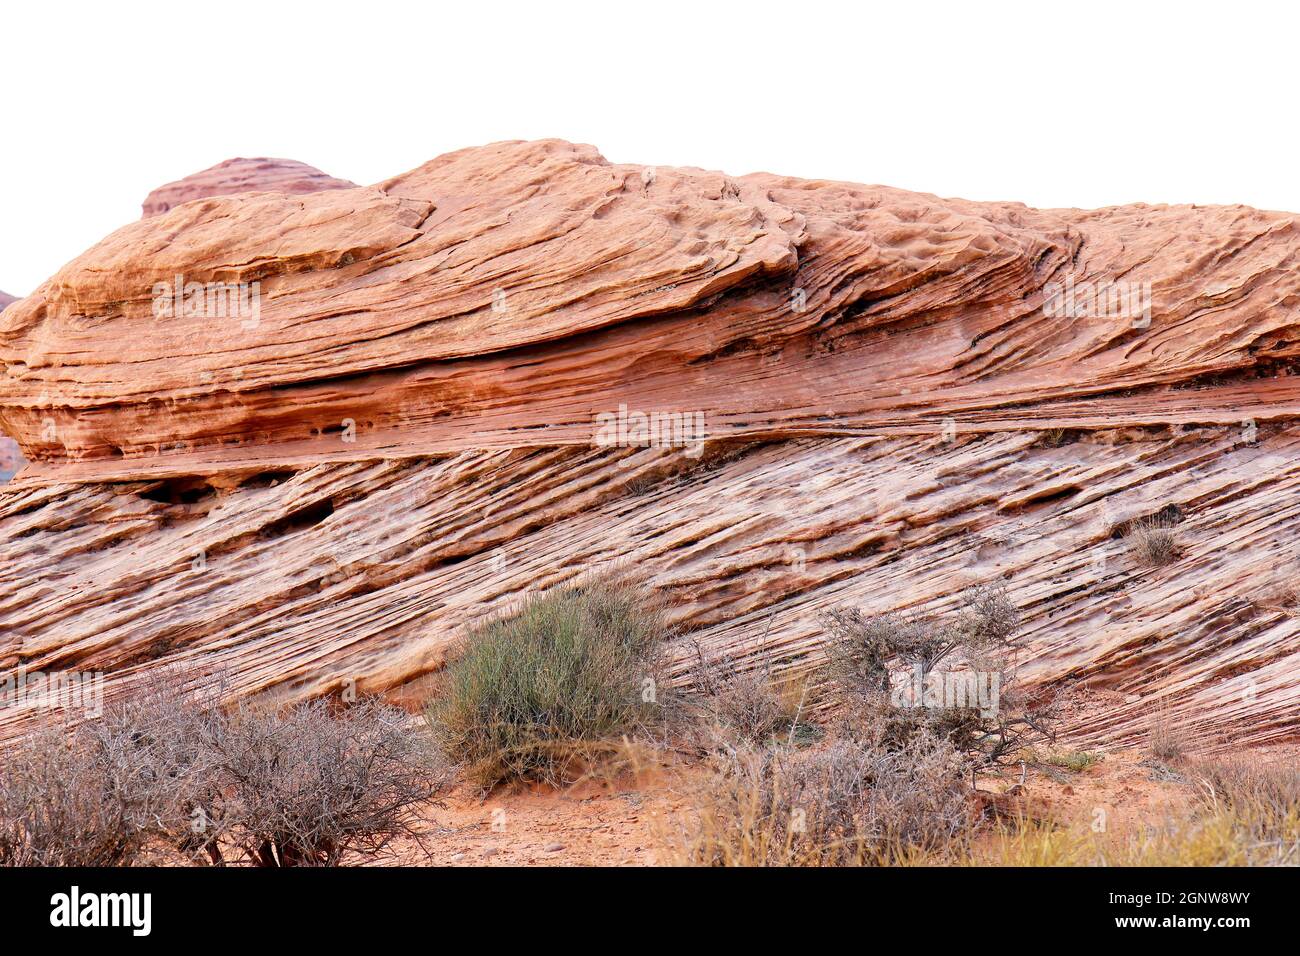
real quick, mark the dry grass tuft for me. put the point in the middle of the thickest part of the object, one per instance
(734, 709)
(1166, 741)
(1154, 541)
(1247, 815)
(1076, 761)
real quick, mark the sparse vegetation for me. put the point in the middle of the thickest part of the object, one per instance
(1154, 540)
(978, 648)
(559, 687)
(854, 801)
(1259, 804)
(169, 775)
(1057, 437)
(537, 694)
(304, 787)
(107, 792)
(62, 803)
(1166, 741)
(1245, 815)
(1076, 761)
(743, 707)
(735, 708)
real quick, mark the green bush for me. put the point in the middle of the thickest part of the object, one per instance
(536, 694)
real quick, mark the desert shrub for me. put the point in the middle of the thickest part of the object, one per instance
(60, 806)
(540, 692)
(852, 802)
(1154, 540)
(979, 641)
(167, 773)
(307, 787)
(734, 708)
(107, 792)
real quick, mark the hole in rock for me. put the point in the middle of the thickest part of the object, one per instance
(179, 491)
(299, 520)
(1044, 498)
(265, 479)
(1170, 514)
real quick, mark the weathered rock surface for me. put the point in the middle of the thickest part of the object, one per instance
(409, 435)
(11, 459)
(242, 176)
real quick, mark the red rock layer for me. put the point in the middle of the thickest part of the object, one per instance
(242, 176)
(505, 296)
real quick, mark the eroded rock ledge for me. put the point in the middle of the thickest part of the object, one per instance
(894, 406)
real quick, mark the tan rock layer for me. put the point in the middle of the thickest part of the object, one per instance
(367, 572)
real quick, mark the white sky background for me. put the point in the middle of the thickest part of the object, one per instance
(1051, 104)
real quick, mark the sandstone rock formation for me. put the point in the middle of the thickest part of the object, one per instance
(769, 395)
(242, 176)
(11, 458)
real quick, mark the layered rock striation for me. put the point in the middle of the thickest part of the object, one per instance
(407, 405)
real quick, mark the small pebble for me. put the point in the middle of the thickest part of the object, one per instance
(553, 847)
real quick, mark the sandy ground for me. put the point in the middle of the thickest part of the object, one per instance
(587, 825)
(620, 823)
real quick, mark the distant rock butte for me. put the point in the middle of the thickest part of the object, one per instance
(11, 459)
(413, 429)
(242, 176)
(6, 300)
